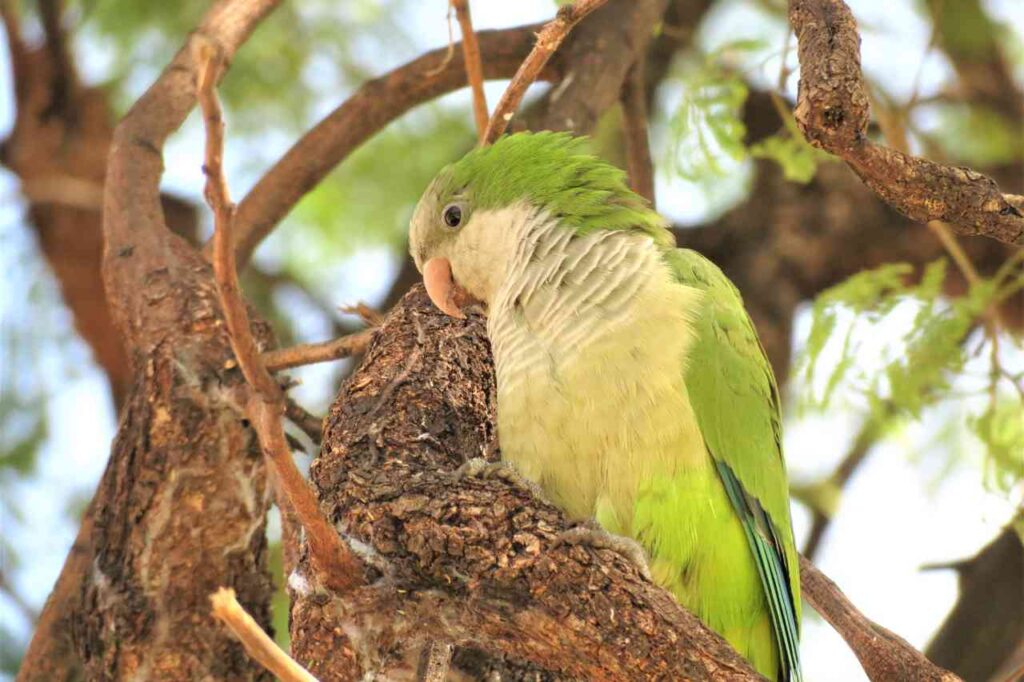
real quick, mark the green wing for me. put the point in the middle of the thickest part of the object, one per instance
(736, 402)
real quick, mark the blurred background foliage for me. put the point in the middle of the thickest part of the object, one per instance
(890, 361)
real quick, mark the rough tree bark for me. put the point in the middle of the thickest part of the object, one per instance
(787, 242)
(181, 508)
(474, 561)
(833, 113)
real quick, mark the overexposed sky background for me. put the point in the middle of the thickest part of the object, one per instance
(902, 510)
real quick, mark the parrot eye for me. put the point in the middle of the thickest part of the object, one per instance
(452, 215)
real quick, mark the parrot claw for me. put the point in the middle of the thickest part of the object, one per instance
(594, 536)
(478, 467)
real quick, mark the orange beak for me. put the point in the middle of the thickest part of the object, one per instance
(441, 287)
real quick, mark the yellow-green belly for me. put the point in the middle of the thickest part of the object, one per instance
(606, 429)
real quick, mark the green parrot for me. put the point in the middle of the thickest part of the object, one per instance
(631, 385)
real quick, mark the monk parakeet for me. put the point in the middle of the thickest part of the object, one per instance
(631, 386)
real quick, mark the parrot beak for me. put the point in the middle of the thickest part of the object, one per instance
(442, 289)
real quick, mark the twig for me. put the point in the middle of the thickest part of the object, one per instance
(449, 52)
(310, 424)
(370, 316)
(255, 640)
(833, 112)
(548, 40)
(310, 353)
(335, 563)
(474, 67)
(883, 654)
(634, 123)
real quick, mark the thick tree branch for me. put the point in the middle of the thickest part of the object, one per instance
(132, 222)
(833, 113)
(182, 505)
(335, 564)
(596, 59)
(373, 106)
(983, 636)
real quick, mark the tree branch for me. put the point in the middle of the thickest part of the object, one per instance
(474, 67)
(335, 564)
(865, 440)
(982, 638)
(369, 110)
(884, 655)
(260, 646)
(548, 40)
(311, 353)
(833, 112)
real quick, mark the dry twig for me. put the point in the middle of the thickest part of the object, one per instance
(260, 646)
(474, 67)
(634, 123)
(548, 40)
(335, 563)
(833, 112)
(311, 353)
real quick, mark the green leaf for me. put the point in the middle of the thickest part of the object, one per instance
(706, 127)
(799, 160)
(1001, 429)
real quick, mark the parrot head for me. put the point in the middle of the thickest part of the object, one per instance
(474, 218)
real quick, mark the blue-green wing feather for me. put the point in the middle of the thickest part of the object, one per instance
(735, 399)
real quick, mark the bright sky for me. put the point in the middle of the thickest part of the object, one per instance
(897, 514)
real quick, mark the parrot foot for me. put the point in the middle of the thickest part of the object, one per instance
(478, 467)
(594, 536)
